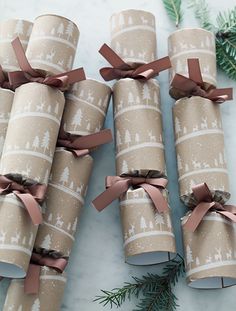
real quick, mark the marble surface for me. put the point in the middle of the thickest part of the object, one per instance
(97, 260)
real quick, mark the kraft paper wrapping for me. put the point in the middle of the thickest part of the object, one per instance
(138, 126)
(51, 289)
(86, 107)
(148, 235)
(6, 100)
(52, 44)
(17, 236)
(133, 36)
(9, 30)
(210, 252)
(199, 140)
(32, 132)
(64, 201)
(193, 43)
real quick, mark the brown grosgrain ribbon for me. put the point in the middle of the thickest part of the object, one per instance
(28, 74)
(117, 185)
(32, 280)
(120, 69)
(205, 204)
(194, 85)
(81, 145)
(30, 196)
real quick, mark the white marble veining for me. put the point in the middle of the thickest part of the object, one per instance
(97, 261)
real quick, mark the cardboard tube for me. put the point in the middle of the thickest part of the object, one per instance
(138, 126)
(67, 188)
(6, 100)
(86, 107)
(210, 253)
(52, 45)
(199, 141)
(9, 30)
(133, 36)
(192, 43)
(17, 236)
(51, 289)
(148, 235)
(32, 132)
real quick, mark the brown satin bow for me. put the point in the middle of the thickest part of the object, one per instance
(4, 83)
(120, 69)
(82, 145)
(28, 74)
(194, 85)
(117, 185)
(32, 280)
(30, 196)
(206, 204)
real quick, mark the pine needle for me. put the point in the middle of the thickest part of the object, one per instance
(155, 289)
(202, 13)
(173, 9)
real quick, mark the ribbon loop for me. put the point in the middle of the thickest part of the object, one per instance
(117, 185)
(194, 85)
(30, 196)
(120, 69)
(28, 74)
(83, 144)
(205, 204)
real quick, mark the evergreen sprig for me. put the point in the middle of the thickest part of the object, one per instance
(173, 9)
(156, 290)
(202, 13)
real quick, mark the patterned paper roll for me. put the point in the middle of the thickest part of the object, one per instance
(6, 100)
(9, 30)
(86, 107)
(64, 201)
(138, 126)
(52, 44)
(133, 36)
(193, 43)
(17, 236)
(200, 148)
(51, 289)
(148, 235)
(32, 132)
(210, 252)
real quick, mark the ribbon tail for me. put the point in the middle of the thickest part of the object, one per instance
(80, 153)
(221, 95)
(31, 283)
(108, 73)
(197, 215)
(228, 215)
(110, 194)
(194, 70)
(111, 56)
(93, 140)
(56, 263)
(157, 197)
(73, 76)
(32, 207)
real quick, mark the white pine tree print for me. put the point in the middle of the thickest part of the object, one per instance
(189, 256)
(70, 62)
(56, 110)
(118, 48)
(177, 126)
(65, 176)
(36, 305)
(74, 225)
(77, 118)
(179, 162)
(130, 98)
(146, 93)
(127, 137)
(159, 220)
(46, 141)
(197, 262)
(19, 29)
(143, 224)
(155, 98)
(137, 138)
(60, 30)
(168, 221)
(118, 138)
(46, 242)
(125, 167)
(130, 20)
(121, 20)
(69, 30)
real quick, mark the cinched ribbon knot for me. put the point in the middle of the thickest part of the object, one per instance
(29, 195)
(194, 85)
(32, 280)
(82, 145)
(28, 74)
(117, 185)
(120, 69)
(205, 204)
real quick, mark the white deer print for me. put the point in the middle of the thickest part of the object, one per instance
(195, 128)
(59, 222)
(131, 231)
(218, 255)
(196, 164)
(15, 239)
(27, 171)
(183, 45)
(2, 236)
(40, 107)
(31, 238)
(209, 259)
(60, 63)
(144, 20)
(151, 137)
(214, 124)
(229, 254)
(142, 55)
(80, 188)
(49, 57)
(90, 98)
(204, 123)
(120, 105)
